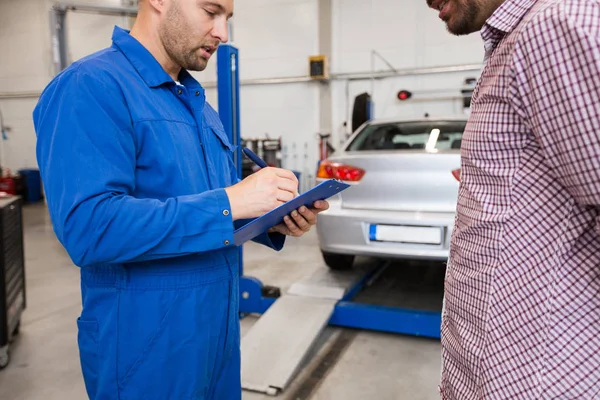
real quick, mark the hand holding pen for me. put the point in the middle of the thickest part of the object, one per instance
(262, 191)
(267, 189)
(258, 161)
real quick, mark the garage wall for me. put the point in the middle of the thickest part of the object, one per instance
(26, 66)
(87, 33)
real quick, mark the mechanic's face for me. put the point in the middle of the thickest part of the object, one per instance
(464, 16)
(191, 30)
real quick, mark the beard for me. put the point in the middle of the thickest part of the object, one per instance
(175, 35)
(465, 20)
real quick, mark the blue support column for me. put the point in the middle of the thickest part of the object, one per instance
(254, 297)
(228, 90)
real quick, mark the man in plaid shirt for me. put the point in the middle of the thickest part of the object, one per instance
(522, 304)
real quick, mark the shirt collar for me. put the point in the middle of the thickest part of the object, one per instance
(504, 20)
(142, 60)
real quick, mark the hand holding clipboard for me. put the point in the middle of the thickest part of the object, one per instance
(293, 217)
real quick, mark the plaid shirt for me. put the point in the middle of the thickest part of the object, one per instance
(521, 313)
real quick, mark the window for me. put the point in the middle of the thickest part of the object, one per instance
(428, 135)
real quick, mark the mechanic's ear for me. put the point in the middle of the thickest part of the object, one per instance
(158, 5)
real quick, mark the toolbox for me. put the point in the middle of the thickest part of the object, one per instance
(12, 273)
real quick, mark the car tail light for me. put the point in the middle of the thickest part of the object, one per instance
(456, 174)
(342, 172)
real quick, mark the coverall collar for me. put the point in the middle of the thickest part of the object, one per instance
(144, 62)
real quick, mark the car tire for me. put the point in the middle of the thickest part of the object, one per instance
(338, 262)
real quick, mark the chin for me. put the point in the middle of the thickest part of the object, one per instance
(196, 66)
(459, 29)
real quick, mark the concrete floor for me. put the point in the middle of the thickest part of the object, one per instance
(366, 365)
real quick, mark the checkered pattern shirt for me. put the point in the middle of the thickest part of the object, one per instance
(521, 315)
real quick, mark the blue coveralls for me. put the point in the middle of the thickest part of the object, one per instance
(134, 168)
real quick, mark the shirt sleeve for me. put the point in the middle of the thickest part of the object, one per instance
(558, 82)
(87, 157)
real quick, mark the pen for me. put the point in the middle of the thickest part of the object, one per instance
(256, 159)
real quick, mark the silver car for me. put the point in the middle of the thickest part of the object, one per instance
(405, 176)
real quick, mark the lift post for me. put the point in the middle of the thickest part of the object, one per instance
(253, 295)
(228, 87)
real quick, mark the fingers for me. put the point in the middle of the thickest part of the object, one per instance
(321, 205)
(290, 228)
(291, 225)
(281, 228)
(287, 174)
(297, 223)
(281, 179)
(284, 196)
(301, 222)
(307, 216)
(287, 185)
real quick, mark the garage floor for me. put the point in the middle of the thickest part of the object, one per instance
(345, 364)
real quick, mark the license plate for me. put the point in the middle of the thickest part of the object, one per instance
(406, 234)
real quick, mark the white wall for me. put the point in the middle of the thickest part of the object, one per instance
(26, 65)
(275, 39)
(87, 33)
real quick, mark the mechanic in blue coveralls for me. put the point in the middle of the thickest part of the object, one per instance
(143, 194)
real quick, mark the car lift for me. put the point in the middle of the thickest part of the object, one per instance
(290, 323)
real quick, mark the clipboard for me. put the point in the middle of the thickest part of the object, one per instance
(260, 225)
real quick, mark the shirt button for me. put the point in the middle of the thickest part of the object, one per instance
(197, 93)
(179, 91)
(225, 212)
(226, 242)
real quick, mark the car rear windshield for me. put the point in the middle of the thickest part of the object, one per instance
(434, 135)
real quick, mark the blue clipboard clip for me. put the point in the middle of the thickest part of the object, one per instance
(260, 225)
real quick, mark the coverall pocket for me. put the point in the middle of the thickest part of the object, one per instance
(87, 339)
(223, 138)
(225, 160)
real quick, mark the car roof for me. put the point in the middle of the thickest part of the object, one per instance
(457, 118)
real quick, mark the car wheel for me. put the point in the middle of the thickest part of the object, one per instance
(338, 262)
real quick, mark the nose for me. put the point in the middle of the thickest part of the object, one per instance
(221, 30)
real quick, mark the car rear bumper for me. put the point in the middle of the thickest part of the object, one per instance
(349, 231)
